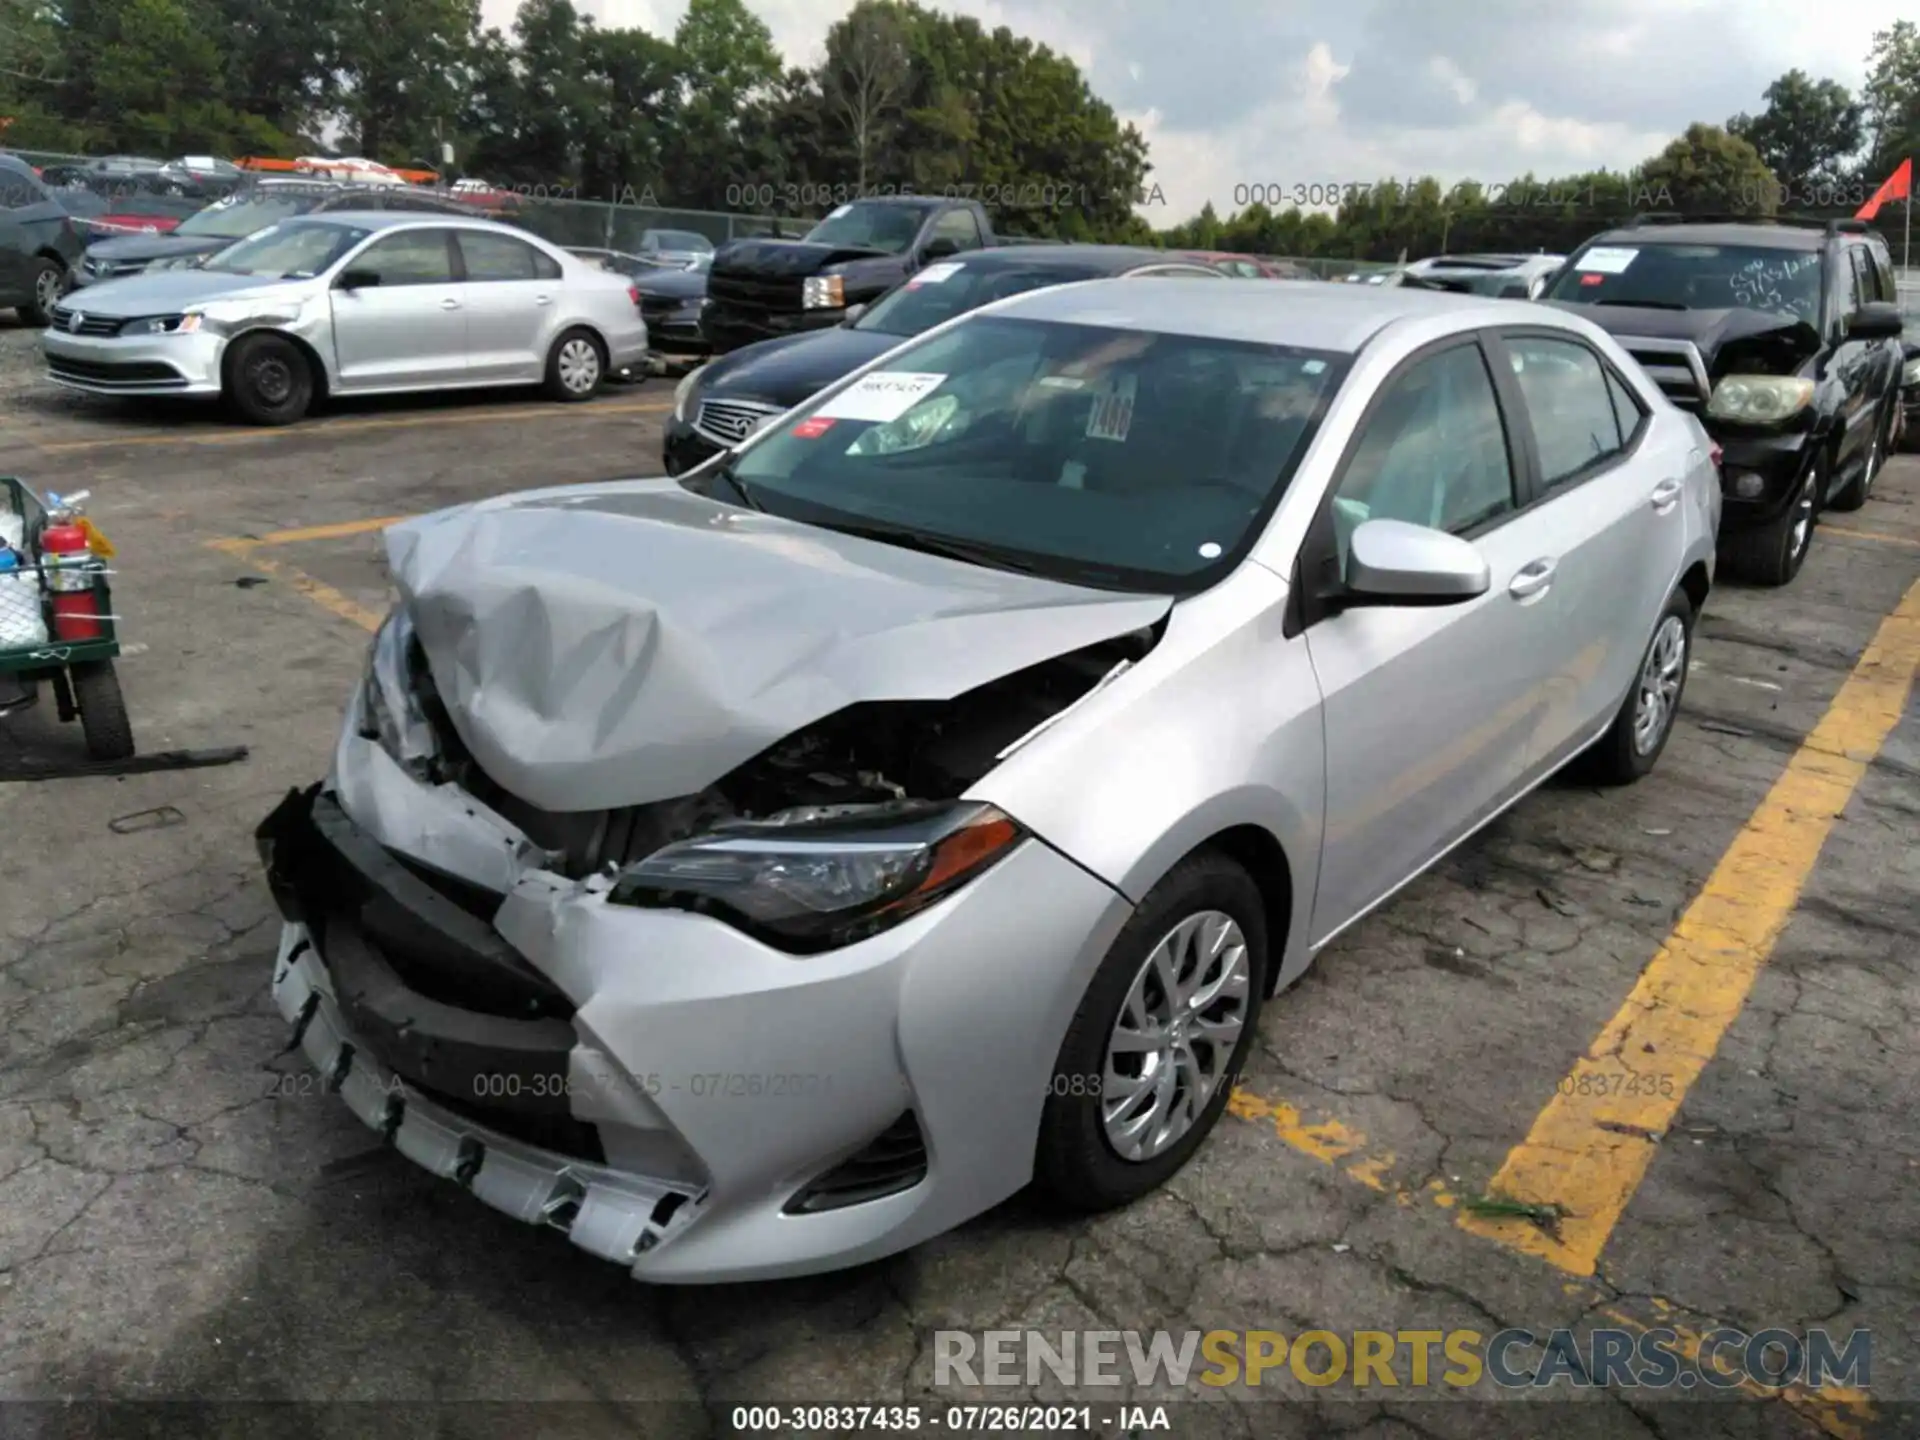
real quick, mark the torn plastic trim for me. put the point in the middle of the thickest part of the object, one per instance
(616, 1215)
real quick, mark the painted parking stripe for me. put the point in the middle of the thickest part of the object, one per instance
(1879, 537)
(501, 413)
(344, 530)
(334, 602)
(1587, 1152)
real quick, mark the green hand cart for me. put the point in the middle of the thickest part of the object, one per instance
(57, 624)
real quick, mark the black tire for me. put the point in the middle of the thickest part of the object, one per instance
(269, 380)
(1772, 554)
(49, 284)
(103, 714)
(1621, 757)
(576, 366)
(1853, 494)
(1076, 1166)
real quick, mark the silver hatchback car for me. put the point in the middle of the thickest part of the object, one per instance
(352, 302)
(764, 871)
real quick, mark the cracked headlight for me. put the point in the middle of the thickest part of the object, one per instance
(823, 292)
(815, 879)
(390, 710)
(1760, 399)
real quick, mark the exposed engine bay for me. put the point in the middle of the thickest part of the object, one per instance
(874, 753)
(1782, 350)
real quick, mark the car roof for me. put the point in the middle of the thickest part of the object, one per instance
(394, 219)
(1753, 235)
(1116, 258)
(1304, 313)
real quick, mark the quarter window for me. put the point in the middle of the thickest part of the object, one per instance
(1570, 405)
(1626, 408)
(959, 227)
(1434, 452)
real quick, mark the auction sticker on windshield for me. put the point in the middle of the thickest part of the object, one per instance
(1112, 413)
(884, 395)
(934, 275)
(1607, 259)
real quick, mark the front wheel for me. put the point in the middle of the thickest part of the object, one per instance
(576, 368)
(268, 380)
(1772, 554)
(1644, 721)
(49, 284)
(1158, 1042)
(103, 713)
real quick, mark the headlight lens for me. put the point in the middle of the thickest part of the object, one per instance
(175, 262)
(163, 325)
(1760, 399)
(817, 878)
(1911, 375)
(684, 395)
(823, 292)
(390, 710)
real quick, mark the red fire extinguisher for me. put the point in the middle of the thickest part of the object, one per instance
(66, 553)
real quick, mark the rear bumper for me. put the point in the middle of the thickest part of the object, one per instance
(111, 365)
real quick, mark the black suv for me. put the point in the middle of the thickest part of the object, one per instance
(38, 243)
(1782, 336)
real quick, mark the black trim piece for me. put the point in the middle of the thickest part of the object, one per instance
(893, 1162)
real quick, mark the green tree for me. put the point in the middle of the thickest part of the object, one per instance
(1808, 135)
(1892, 97)
(730, 74)
(272, 68)
(1707, 171)
(398, 73)
(866, 75)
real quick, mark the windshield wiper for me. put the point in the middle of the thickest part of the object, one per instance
(1643, 304)
(974, 554)
(725, 471)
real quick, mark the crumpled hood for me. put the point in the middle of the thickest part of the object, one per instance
(776, 259)
(599, 647)
(1709, 330)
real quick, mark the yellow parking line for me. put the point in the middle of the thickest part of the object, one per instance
(385, 422)
(1591, 1145)
(322, 594)
(341, 531)
(1876, 535)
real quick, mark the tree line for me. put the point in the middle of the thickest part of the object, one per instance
(904, 97)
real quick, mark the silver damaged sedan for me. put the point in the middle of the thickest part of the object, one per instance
(352, 303)
(762, 872)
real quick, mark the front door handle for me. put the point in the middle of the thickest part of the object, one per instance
(449, 304)
(543, 299)
(1664, 495)
(1531, 580)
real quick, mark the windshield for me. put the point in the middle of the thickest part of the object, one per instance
(682, 240)
(1485, 282)
(1695, 277)
(870, 225)
(1107, 457)
(295, 251)
(943, 291)
(234, 220)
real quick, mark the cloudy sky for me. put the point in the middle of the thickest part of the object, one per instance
(1337, 92)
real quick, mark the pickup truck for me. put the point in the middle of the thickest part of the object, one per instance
(759, 289)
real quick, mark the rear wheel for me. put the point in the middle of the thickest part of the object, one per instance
(576, 367)
(1639, 732)
(103, 713)
(268, 380)
(1853, 494)
(1772, 554)
(49, 284)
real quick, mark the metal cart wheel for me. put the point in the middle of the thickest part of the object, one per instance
(103, 714)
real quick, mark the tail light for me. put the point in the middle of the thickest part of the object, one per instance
(633, 294)
(1715, 454)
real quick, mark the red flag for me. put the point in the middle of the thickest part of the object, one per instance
(1897, 186)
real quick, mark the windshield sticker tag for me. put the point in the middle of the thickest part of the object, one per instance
(1313, 367)
(1112, 414)
(881, 396)
(1607, 259)
(813, 427)
(933, 275)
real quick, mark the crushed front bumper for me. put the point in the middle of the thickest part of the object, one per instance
(671, 1092)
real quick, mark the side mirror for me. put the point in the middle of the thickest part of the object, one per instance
(854, 312)
(939, 248)
(1392, 562)
(1876, 320)
(358, 279)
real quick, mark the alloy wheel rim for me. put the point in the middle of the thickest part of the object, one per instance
(1660, 680)
(1802, 518)
(1174, 1039)
(49, 288)
(579, 366)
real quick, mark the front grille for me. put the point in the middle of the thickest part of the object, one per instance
(111, 270)
(658, 307)
(1675, 366)
(755, 294)
(728, 422)
(77, 322)
(113, 372)
(894, 1162)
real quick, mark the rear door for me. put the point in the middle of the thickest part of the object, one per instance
(1606, 487)
(512, 290)
(410, 330)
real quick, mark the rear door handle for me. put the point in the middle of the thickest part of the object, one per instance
(1665, 494)
(449, 304)
(1532, 580)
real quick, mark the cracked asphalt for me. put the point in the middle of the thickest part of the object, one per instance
(185, 1217)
